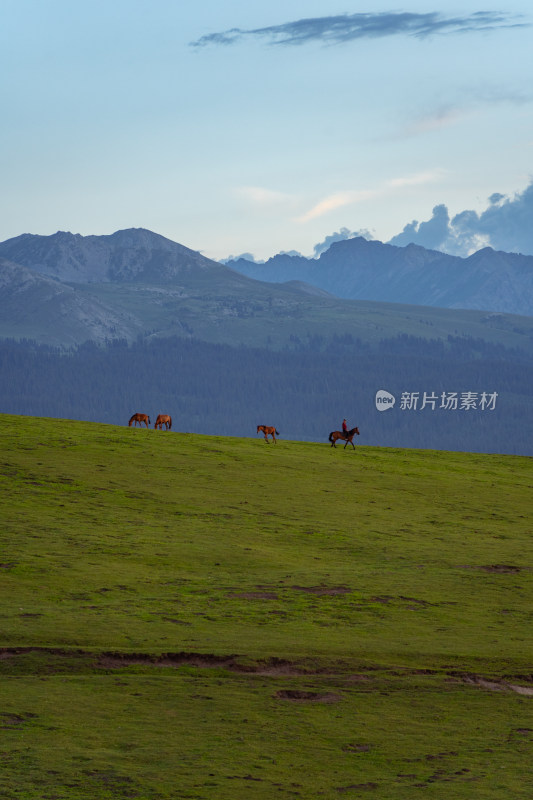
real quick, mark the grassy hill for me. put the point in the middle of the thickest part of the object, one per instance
(229, 311)
(197, 617)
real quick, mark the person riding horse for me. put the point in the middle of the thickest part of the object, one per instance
(346, 435)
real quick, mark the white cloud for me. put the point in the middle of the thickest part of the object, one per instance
(351, 197)
(471, 100)
(418, 179)
(505, 225)
(337, 200)
(259, 196)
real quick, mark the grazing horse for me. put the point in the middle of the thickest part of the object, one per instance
(268, 430)
(163, 419)
(140, 418)
(348, 436)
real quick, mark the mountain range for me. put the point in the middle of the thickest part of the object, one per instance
(66, 288)
(370, 270)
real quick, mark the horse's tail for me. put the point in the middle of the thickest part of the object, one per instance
(169, 423)
(331, 436)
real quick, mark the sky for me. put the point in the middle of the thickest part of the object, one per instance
(240, 127)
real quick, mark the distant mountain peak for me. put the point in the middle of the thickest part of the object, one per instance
(132, 254)
(362, 269)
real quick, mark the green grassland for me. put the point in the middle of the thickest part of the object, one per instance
(245, 311)
(191, 616)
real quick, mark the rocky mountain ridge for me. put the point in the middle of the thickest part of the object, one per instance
(370, 270)
(135, 254)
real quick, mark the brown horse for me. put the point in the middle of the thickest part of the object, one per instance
(348, 436)
(163, 419)
(268, 430)
(140, 418)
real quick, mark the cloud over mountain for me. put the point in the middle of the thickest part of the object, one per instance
(339, 236)
(506, 224)
(349, 27)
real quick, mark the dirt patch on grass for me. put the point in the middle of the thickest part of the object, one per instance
(271, 666)
(117, 660)
(357, 787)
(283, 669)
(357, 678)
(61, 660)
(356, 748)
(254, 595)
(301, 696)
(8, 720)
(503, 568)
(413, 602)
(495, 568)
(527, 691)
(323, 590)
(440, 756)
(498, 686)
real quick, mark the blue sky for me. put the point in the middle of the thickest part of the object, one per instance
(244, 127)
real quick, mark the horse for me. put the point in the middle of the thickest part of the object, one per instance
(268, 430)
(348, 436)
(140, 418)
(163, 419)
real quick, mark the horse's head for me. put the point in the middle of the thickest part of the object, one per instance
(259, 428)
(356, 430)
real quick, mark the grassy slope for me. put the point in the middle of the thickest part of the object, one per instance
(258, 314)
(136, 541)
